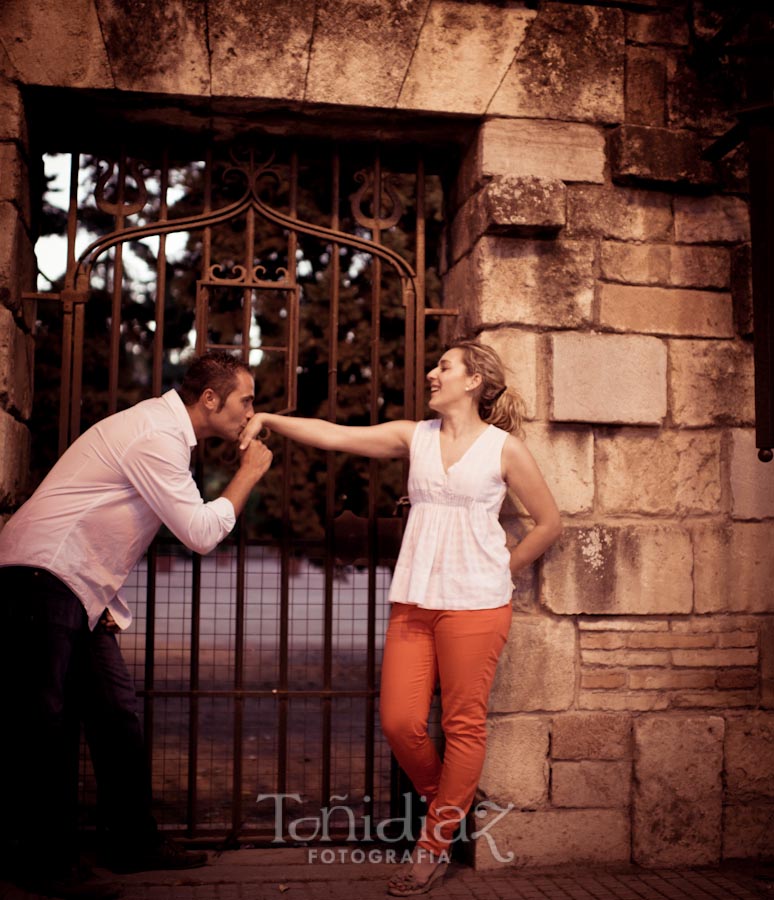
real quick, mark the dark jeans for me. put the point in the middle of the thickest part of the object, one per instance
(57, 675)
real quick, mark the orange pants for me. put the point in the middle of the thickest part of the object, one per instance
(460, 648)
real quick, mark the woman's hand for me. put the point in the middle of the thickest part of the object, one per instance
(253, 429)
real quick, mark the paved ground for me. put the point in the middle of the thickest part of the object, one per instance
(289, 874)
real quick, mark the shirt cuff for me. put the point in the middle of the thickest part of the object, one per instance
(224, 510)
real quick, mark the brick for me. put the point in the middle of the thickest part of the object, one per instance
(645, 90)
(14, 460)
(566, 458)
(677, 790)
(505, 281)
(593, 680)
(713, 624)
(716, 658)
(669, 679)
(735, 679)
(519, 350)
(671, 311)
(752, 481)
(618, 213)
(715, 700)
(623, 700)
(521, 778)
(749, 760)
(622, 624)
(665, 264)
(624, 658)
(571, 66)
(579, 735)
(602, 641)
(702, 220)
(652, 155)
(659, 473)
(615, 379)
(711, 383)
(748, 831)
(669, 641)
(738, 639)
(734, 568)
(537, 666)
(553, 837)
(590, 784)
(477, 39)
(606, 570)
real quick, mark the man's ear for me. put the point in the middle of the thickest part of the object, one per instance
(209, 399)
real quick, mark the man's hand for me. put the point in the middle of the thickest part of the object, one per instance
(255, 459)
(252, 430)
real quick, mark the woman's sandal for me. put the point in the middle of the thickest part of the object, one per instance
(405, 884)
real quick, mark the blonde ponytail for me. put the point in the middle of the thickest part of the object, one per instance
(498, 404)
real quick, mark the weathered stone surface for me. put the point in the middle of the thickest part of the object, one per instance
(645, 86)
(517, 207)
(702, 220)
(14, 179)
(711, 383)
(505, 280)
(519, 777)
(741, 289)
(525, 148)
(551, 837)
(475, 38)
(673, 311)
(260, 48)
(571, 66)
(590, 784)
(13, 122)
(621, 213)
(659, 473)
(17, 261)
(665, 264)
(519, 351)
(734, 567)
(608, 378)
(652, 155)
(657, 27)
(700, 97)
(767, 663)
(566, 459)
(55, 43)
(619, 623)
(580, 735)
(677, 790)
(748, 831)
(752, 481)
(631, 701)
(16, 355)
(157, 47)
(749, 762)
(536, 669)
(607, 570)
(14, 460)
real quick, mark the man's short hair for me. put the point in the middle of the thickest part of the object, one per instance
(216, 370)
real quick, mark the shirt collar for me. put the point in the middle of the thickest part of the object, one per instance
(175, 403)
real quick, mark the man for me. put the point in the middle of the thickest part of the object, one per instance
(63, 558)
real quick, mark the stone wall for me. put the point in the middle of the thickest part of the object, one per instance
(633, 713)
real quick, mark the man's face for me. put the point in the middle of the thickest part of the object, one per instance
(236, 412)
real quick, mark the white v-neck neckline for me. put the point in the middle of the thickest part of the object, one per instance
(446, 471)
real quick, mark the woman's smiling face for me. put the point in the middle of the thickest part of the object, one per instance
(450, 381)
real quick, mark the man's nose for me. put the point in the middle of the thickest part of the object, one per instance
(250, 414)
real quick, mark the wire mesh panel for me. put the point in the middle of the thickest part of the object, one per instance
(258, 664)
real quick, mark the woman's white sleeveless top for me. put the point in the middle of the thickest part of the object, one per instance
(453, 554)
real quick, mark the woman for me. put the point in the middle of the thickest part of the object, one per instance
(452, 588)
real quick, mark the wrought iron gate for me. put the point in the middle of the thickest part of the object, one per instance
(258, 665)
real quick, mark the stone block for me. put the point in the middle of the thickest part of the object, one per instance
(516, 766)
(596, 679)
(619, 213)
(630, 701)
(475, 38)
(624, 658)
(749, 759)
(670, 311)
(741, 289)
(645, 88)
(752, 481)
(734, 567)
(519, 352)
(269, 40)
(716, 659)
(517, 207)
(630, 570)
(554, 837)
(767, 663)
(580, 735)
(566, 459)
(670, 680)
(642, 153)
(714, 700)
(748, 831)
(615, 379)
(14, 460)
(56, 43)
(537, 666)
(699, 97)
(590, 784)
(703, 220)
(526, 148)
(620, 623)
(659, 473)
(571, 66)
(665, 264)
(711, 383)
(160, 48)
(657, 27)
(677, 790)
(16, 362)
(699, 267)
(509, 281)
(14, 179)
(17, 260)
(13, 121)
